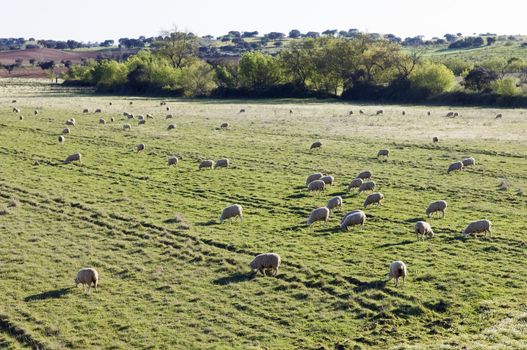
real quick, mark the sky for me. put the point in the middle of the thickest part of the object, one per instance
(97, 20)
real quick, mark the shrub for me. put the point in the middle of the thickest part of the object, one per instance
(435, 78)
(506, 87)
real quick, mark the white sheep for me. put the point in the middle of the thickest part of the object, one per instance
(35, 112)
(73, 157)
(140, 147)
(221, 163)
(380, 112)
(499, 116)
(404, 112)
(317, 185)
(149, 116)
(208, 163)
(85, 110)
(141, 122)
(266, 261)
(374, 198)
(468, 162)
(87, 277)
(318, 214)
(429, 113)
(66, 130)
(127, 127)
(16, 110)
(367, 186)
(398, 270)
(169, 116)
(232, 212)
(313, 177)
(316, 144)
(455, 167)
(171, 127)
(102, 121)
(353, 218)
(335, 202)
(435, 139)
(328, 179)
(436, 206)
(98, 110)
(112, 119)
(355, 183)
(173, 160)
(476, 227)
(224, 126)
(61, 139)
(365, 175)
(70, 122)
(423, 229)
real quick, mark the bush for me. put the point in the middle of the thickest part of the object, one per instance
(435, 78)
(197, 79)
(506, 87)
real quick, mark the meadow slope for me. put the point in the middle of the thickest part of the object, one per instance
(173, 277)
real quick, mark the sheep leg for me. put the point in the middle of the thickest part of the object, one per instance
(442, 216)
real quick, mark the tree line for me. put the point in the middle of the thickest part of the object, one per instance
(362, 67)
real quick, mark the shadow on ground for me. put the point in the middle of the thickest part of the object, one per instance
(51, 294)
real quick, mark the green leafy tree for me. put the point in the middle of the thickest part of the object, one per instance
(197, 79)
(259, 71)
(227, 75)
(436, 78)
(180, 48)
(506, 86)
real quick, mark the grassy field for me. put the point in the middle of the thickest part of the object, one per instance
(172, 277)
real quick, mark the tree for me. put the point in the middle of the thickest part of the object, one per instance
(9, 67)
(46, 65)
(227, 75)
(107, 43)
(179, 47)
(259, 71)
(32, 61)
(330, 32)
(480, 79)
(295, 33)
(450, 37)
(18, 62)
(275, 35)
(491, 40)
(249, 34)
(506, 86)
(435, 78)
(197, 79)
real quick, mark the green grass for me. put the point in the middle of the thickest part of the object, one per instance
(173, 277)
(507, 50)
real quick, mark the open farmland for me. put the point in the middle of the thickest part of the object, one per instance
(173, 277)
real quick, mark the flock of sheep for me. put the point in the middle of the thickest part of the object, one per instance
(268, 263)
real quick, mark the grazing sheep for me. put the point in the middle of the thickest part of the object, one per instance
(328, 179)
(242, 110)
(367, 186)
(110, 103)
(102, 121)
(171, 126)
(468, 162)
(98, 110)
(266, 261)
(149, 116)
(70, 122)
(232, 212)
(435, 139)
(383, 152)
(334, 202)
(476, 227)
(374, 198)
(168, 108)
(127, 127)
(221, 163)
(16, 110)
(499, 116)
(126, 114)
(450, 114)
(73, 157)
(397, 270)
(206, 164)
(423, 229)
(162, 104)
(313, 177)
(350, 113)
(140, 147)
(361, 111)
(61, 139)
(169, 116)
(85, 110)
(13, 101)
(131, 103)
(436, 206)
(316, 144)
(112, 119)
(87, 276)
(35, 112)
(454, 167)
(353, 218)
(318, 214)
(355, 183)
(380, 112)
(317, 185)
(66, 130)
(141, 122)
(404, 112)
(224, 125)
(173, 160)
(130, 116)
(141, 117)
(429, 113)
(21, 117)
(290, 111)
(456, 114)
(365, 175)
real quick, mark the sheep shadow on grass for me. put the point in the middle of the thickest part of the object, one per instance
(208, 223)
(413, 220)
(296, 196)
(363, 286)
(386, 245)
(50, 294)
(236, 277)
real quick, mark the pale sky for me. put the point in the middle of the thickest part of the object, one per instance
(97, 20)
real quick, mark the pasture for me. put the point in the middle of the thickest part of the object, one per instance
(172, 277)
